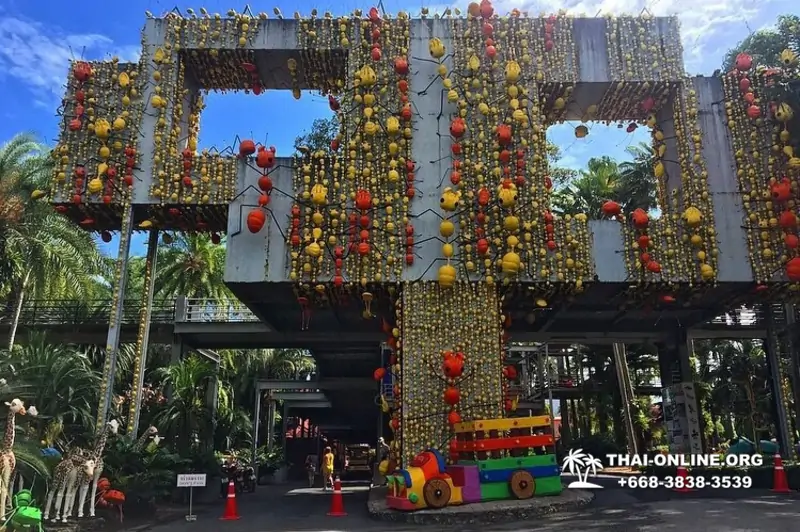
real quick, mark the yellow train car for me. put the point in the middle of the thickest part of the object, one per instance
(425, 483)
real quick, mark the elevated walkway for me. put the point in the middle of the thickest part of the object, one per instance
(208, 324)
(201, 324)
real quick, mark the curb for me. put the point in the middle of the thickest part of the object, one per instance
(492, 512)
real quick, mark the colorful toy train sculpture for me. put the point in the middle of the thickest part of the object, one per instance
(493, 459)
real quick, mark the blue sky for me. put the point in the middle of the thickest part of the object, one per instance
(37, 40)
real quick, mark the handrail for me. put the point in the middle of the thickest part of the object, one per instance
(209, 311)
(61, 312)
(79, 312)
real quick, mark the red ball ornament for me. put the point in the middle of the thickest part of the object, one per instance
(379, 374)
(452, 396)
(453, 417)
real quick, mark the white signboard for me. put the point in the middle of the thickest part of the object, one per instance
(193, 480)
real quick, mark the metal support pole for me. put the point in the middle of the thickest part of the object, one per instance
(115, 320)
(626, 393)
(143, 338)
(270, 421)
(284, 426)
(549, 390)
(256, 426)
(793, 347)
(772, 352)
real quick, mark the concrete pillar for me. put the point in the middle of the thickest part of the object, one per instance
(793, 347)
(143, 338)
(115, 320)
(626, 394)
(674, 360)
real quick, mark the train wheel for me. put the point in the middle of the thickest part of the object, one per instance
(522, 485)
(436, 492)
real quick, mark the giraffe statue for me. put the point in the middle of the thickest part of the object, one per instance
(7, 461)
(84, 481)
(65, 477)
(144, 439)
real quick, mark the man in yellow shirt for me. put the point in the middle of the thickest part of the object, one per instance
(327, 468)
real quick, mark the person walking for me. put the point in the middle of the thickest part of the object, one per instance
(311, 470)
(327, 468)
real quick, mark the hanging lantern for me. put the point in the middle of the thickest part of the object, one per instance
(581, 131)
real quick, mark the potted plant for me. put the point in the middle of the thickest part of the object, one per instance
(273, 467)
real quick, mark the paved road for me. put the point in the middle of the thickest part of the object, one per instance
(614, 510)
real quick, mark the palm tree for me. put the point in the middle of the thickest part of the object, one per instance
(58, 379)
(629, 183)
(637, 185)
(192, 266)
(187, 417)
(42, 252)
(590, 189)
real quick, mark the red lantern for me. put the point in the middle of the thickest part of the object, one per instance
(793, 270)
(453, 417)
(265, 183)
(611, 208)
(453, 366)
(82, 71)
(266, 157)
(363, 200)
(247, 147)
(401, 66)
(754, 111)
(379, 374)
(640, 218)
(781, 191)
(256, 220)
(452, 396)
(504, 134)
(486, 9)
(787, 220)
(654, 267)
(743, 62)
(458, 127)
(791, 241)
(510, 373)
(744, 84)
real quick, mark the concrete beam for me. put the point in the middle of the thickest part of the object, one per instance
(346, 355)
(299, 397)
(332, 384)
(726, 333)
(307, 404)
(588, 337)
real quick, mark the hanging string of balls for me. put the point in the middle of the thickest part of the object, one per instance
(767, 165)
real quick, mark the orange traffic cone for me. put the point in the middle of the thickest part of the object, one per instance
(337, 502)
(779, 482)
(684, 475)
(231, 513)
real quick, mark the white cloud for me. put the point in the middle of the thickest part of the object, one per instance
(38, 55)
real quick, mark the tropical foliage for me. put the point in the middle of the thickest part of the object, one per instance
(629, 183)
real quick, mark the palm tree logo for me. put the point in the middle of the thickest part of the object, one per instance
(582, 464)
